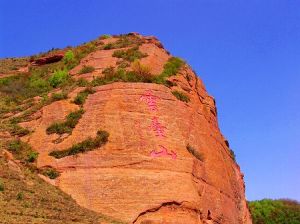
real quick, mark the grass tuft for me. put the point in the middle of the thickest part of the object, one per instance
(82, 82)
(32, 156)
(181, 96)
(86, 69)
(81, 97)
(59, 96)
(17, 130)
(50, 172)
(195, 153)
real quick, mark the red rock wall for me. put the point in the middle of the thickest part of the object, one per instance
(145, 174)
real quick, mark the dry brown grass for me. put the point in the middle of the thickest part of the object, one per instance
(141, 70)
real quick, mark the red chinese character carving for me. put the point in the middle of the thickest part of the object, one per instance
(150, 99)
(163, 153)
(157, 127)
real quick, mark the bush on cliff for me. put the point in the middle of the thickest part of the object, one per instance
(59, 77)
(66, 126)
(129, 55)
(172, 67)
(195, 153)
(32, 156)
(81, 96)
(59, 96)
(84, 146)
(142, 70)
(22, 151)
(17, 130)
(268, 211)
(68, 57)
(181, 96)
(86, 69)
(50, 172)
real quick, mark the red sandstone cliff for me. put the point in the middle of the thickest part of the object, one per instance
(145, 173)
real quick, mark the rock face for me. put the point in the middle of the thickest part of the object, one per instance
(150, 170)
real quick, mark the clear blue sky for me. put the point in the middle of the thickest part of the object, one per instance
(246, 52)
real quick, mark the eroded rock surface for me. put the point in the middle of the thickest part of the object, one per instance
(145, 174)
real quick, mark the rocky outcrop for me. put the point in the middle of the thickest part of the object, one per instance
(147, 172)
(48, 59)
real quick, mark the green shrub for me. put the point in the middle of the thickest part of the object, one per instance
(181, 96)
(32, 156)
(195, 153)
(82, 82)
(171, 68)
(70, 60)
(84, 146)
(81, 97)
(129, 55)
(59, 77)
(20, 196)
(58, 128)
(78, 53)
(268, 211)
(21, 150)
(38, 85)
(69, 57)
(15, 146)
(1, 186)
(66, 126)
(59, 96)
(17, 130)
(50, 172)
(86, 69)
(108, 46)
